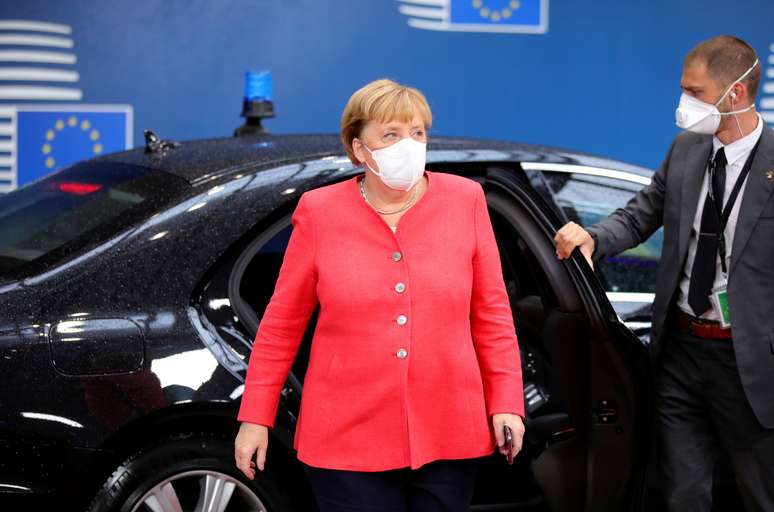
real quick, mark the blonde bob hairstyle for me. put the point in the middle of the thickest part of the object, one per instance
(382, 101)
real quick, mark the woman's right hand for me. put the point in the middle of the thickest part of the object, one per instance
(252, 439)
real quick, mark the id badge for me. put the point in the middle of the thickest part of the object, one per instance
(719, 299)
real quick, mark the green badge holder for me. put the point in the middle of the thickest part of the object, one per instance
(719, 300)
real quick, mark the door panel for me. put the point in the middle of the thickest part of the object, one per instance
(601, 367)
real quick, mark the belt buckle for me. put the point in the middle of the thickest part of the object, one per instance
(695, 324)
(710, 328)
(695, 328)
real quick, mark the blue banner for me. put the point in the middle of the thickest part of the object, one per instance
(50, 139)
(496, 12)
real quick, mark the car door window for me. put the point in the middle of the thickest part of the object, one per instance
(587, 199)
(257, 281)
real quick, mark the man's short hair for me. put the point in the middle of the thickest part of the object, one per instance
(727, 58)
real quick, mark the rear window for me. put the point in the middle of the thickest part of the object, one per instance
(64, 213)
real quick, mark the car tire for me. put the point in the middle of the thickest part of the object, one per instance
(189, 469)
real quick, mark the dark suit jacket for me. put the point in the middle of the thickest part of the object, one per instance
(671, 200)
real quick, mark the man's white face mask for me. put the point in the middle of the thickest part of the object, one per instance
(697, 116)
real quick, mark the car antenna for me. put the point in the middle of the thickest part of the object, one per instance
(155, 144)
(257, 104)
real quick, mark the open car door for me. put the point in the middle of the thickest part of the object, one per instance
(586, 375)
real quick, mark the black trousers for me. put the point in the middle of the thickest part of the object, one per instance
(438, 486)
(702, 409)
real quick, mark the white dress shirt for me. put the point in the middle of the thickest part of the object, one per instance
(736, 156)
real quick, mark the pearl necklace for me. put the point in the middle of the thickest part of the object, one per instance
(406, 206)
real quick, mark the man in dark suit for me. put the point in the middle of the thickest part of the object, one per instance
(712, 338)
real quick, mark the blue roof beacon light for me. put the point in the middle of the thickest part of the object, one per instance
(257, 103)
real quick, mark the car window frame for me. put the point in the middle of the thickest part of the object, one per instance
(635, 298)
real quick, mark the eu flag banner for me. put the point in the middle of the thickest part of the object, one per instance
(50, 137)
(496, 12)
(515, 16)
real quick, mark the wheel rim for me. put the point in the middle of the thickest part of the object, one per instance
(200, 491)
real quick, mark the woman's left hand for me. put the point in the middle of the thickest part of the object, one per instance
(517, 427)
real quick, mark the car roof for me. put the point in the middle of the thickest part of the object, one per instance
(201, 159)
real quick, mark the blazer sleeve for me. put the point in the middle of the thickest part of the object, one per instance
(629, 226)
(492, 328)
(283, 324)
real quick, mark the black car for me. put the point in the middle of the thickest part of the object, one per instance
(132, 285)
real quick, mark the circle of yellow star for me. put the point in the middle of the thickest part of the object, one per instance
(59, 125)
(496, 15)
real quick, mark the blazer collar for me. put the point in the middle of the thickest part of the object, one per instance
(756, 193)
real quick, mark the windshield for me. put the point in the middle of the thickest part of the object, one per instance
(63, 214)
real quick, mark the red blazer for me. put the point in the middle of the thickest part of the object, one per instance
(415, 345)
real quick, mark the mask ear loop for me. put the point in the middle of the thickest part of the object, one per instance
(734, 112)
(365, 163)
(738, 80)
(736, 117)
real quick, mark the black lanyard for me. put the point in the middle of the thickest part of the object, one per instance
(726, 212)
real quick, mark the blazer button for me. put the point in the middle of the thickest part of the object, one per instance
(402, 320)
(400, 287)
(402, 353)
(396, 256)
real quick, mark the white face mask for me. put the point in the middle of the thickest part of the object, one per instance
(401, 165)
(697, 116)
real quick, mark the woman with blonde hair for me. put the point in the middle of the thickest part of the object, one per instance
(414, 372)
